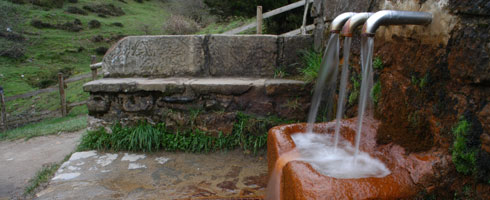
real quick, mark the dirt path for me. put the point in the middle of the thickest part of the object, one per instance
(20, 160)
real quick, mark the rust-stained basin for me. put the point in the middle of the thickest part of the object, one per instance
(300, 181)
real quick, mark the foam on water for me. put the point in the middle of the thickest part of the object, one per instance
(319, 151)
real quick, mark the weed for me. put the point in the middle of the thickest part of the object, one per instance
(42, 176)
(422, 82)
(356, 85)
(376, 92)
(280, 73)
(378, 63)
(463, 158)
(312, 62)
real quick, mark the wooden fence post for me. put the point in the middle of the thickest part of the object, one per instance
(94, 69)
(61, 83)
(259, 19)
(4, 111)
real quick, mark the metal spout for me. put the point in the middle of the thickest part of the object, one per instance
(393, 17)
(353, 22)
(339, 21)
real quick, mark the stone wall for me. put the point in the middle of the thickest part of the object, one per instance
(203, 55)
(199, 82)
(210, 105)
(451, 56)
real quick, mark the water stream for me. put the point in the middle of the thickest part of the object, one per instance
(326, 76)
(342, 89)
(366, 56)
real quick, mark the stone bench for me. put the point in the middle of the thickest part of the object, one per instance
(171, 78)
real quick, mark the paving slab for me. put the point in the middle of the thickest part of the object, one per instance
(162, 175)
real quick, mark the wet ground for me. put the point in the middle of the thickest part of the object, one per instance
(162, 175)
(20, 159)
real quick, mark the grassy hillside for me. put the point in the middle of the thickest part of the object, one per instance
(50, 50)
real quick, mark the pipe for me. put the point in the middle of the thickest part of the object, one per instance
(393, 17)
(339, 21)
(355, 21)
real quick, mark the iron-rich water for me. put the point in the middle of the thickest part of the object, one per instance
(342, 89)
(367, 57)
(326, 76)
(318, 150)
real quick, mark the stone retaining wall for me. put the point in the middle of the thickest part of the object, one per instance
(203, 55)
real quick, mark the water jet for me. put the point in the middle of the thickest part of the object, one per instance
(302, 178)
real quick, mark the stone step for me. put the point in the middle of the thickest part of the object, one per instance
(204, 55)
(173, 100)
(201, 86)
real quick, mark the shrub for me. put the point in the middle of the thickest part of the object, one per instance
(180, 25)
(48, 3)
(101, 50)
(196, 10)
(94, 24)
(12, 42)
(76, 10)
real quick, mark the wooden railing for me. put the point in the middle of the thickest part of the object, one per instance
(61, 86)
(267, 15)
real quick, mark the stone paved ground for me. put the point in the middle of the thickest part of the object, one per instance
(162, 175)
(20, 159)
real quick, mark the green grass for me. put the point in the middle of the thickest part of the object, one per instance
(49, 127)
(249, 133)
(312, 62)
(463, 157)
(42, 176)
(52, 50)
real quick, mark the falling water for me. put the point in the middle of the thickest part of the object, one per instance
(342, 89)
(327, 75)
(366, 56)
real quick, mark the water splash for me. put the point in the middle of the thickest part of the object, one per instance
(327, 75)
(366, 55)
(318, 151)
(342, 89)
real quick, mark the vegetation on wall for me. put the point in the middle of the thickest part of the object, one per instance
(249, 133)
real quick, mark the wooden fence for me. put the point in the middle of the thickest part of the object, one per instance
(61, 86)
(261, 16)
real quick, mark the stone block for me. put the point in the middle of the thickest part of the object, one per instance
(242, 55)
(289, 52)
(155, 56)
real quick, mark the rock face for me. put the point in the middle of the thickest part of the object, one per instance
(432, 76)
(202, 56)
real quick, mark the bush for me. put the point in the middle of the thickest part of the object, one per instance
(180, 25)
(76, 10)
(101, 50)
(48, 3)
(94, 24)
(312, 62)
(12, 42)
(196, 10)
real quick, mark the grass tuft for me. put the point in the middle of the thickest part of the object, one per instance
(312, 61)
(249, 133)
(42, 176)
